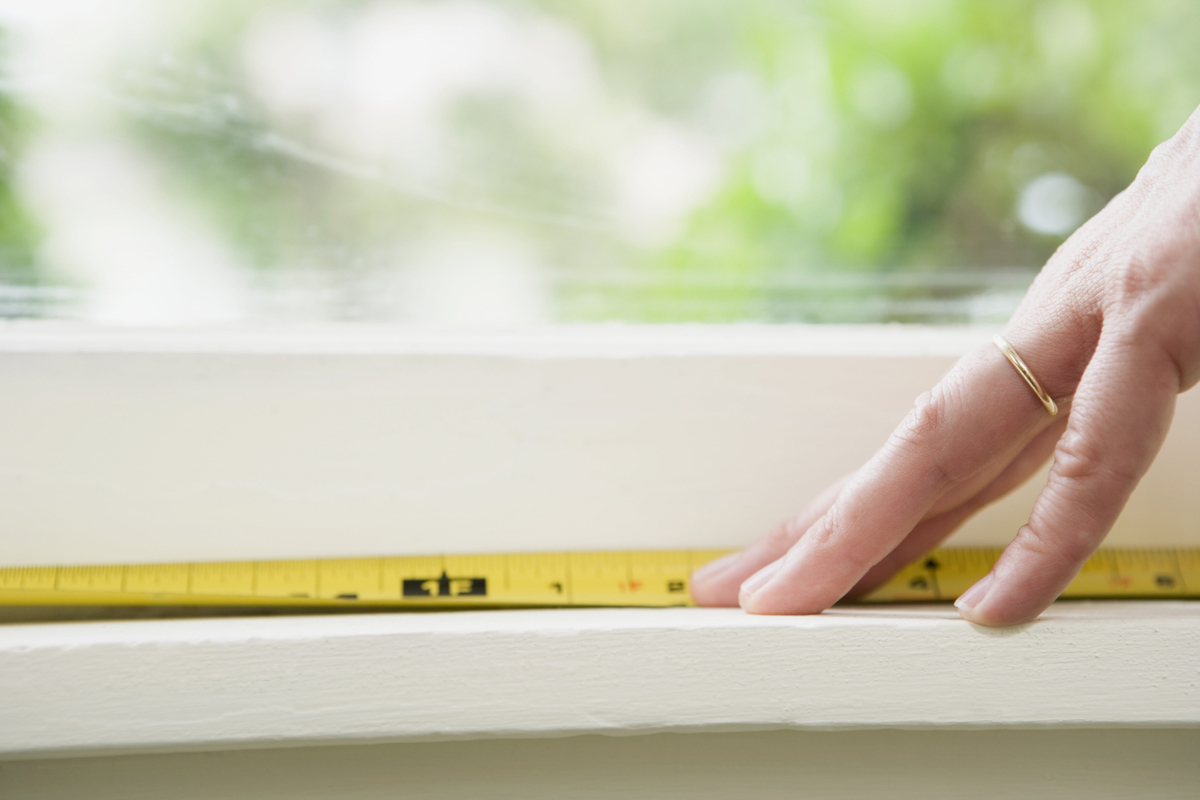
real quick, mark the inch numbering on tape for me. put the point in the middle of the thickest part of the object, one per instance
(623, 578)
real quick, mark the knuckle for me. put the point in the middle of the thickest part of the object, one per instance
(1162, 166)
(1146, 305)
(1131, 283)
(828, 529)
(923, 421)
(1159, 161)
(1142, 304)
(1079, 458)
(922, 429)
(833, 531)
(1051, 547)
(1081, 256)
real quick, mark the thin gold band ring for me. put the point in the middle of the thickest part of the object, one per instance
(1023, 368)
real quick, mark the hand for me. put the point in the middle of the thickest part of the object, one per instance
(1111, 329)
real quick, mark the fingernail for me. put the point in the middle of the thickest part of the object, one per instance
(973, 596)
(758, 580)
(714, 569)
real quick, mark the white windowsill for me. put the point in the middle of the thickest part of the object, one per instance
(231, 683)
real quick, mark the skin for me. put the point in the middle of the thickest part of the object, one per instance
(1111, 329)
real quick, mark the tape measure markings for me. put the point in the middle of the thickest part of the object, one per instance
(616, 578)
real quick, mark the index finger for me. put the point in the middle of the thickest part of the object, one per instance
(980, 412)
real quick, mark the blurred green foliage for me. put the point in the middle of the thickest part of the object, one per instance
(18, 232)
(874, 151)
(992, 94)
(936, 185)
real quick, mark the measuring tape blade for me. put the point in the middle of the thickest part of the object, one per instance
(618, 578)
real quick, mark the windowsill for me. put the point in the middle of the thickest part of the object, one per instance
(231, 683)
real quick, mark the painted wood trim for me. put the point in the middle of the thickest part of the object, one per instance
(127, 445)
(597, 341)
(929, 764)
(222, 683)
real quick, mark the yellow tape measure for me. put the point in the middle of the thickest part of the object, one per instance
(625, 578)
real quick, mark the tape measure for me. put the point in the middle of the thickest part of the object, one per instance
(624, 578)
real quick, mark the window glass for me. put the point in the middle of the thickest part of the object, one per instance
(487, 162)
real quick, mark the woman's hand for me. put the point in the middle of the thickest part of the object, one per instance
(1111, 329)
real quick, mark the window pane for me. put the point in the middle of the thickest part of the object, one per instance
(489, 162)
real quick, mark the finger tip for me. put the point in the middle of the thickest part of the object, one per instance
(771, 600)
(750, 601)
(975, 612)
(714, 583)
(992, 603)
(705, 594)
(750, 607)
(993, 618)
(969, 615)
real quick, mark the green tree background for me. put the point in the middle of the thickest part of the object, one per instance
(876, 152)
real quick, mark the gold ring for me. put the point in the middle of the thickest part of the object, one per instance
(1023, 368)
